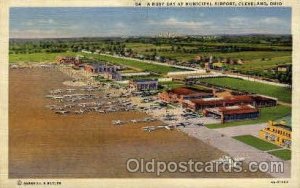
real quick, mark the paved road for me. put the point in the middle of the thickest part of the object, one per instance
(284, 103)
(235, 148)
(153, 62)
(249, 78)
(242, 130)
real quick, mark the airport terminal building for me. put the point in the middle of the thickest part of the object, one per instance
(200, 104)
(279, 133)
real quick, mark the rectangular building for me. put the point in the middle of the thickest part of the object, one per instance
(263, 101)
(113, 76)
(232, 113)
(68, 60)
(101, 68)
(184, 93)
(143, 85)
(200, 104)
(278, 133)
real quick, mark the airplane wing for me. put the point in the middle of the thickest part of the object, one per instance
(238, 159)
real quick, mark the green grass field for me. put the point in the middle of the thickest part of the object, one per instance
(261, 65)
(283, 94)
(252, 55)
(266, 114)
(160, 69)
(140, 77)
(256, 142)
(37, 57)
(282, 154)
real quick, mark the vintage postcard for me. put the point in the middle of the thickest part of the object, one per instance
(149, 93)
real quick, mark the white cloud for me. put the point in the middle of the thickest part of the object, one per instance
(244, 25)
(120, 25)
(237, 20)
(249, 21)
(39, 22)
(173, 22)
(271, 20)
(37, 33)
(30, 33)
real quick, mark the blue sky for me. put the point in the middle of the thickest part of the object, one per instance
(103, 22)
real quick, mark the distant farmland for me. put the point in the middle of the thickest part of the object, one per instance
(283, 94)
(265, 51)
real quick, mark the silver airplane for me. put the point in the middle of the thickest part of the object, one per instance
(154, 128)
(62, 112)
(57, 97)
(149, 128)
(149, 119)
(51, 106)
(56, 91)
(134, 121)
(79, 111)
(232, 162)
(82, 104)
(117, 122)
(95, 108)
(69, 105)
(70, 90)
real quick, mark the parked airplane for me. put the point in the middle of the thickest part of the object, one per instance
(62, 112)
(70, 90)
(154, 128)
(133, 121)
(49, 96)
(117, 122)
(149, 128)
(57, 97)
(69, 105)
(232, 162)
(79, 111)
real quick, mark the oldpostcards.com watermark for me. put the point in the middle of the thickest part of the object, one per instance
(191, 166)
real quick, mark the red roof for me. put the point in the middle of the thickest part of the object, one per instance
(182, 91)
(227, 100)
(244, 109)
(258, 98)
(229, 110)
(207, 102)
(240, 98)
(187, 91)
